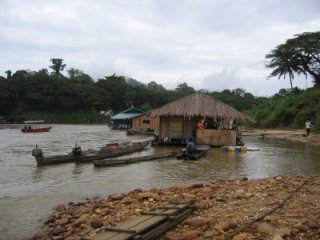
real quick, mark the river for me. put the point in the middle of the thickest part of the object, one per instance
(28, 193)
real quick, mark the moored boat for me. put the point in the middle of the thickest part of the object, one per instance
(200, 152)
(78, 156)
(114, 161)
(35, 126)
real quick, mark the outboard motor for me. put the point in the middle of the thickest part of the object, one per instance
(76, 152)
(38, 154)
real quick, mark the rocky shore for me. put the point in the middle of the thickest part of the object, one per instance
(275, 208)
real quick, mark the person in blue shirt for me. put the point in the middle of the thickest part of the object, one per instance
(191, 147)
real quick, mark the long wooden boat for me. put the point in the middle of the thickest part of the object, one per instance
(201, 151)
(114, 161)
(78, 156)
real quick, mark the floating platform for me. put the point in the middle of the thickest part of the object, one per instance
(238, 149)
(148, 225)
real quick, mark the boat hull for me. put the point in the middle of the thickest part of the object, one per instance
(106, 152)
(35, 130)
(198, 154)
(112, 162)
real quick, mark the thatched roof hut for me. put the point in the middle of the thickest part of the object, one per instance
(199, 104)
(182, 119)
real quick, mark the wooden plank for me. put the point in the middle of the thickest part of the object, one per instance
(133, 225)
(139, 225)
(166, 225)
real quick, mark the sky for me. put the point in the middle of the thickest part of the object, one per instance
(209, 44)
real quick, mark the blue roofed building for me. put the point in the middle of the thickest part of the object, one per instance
(124, 118)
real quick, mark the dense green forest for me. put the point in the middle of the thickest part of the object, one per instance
(77, 98)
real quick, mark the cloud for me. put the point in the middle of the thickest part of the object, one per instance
(208, 44)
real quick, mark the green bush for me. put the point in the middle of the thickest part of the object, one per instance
(289, 110)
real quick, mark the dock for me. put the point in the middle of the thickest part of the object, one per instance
(148, 225)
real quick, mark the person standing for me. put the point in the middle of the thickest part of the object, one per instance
(308, 126)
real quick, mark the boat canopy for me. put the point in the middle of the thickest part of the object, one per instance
(34, 121)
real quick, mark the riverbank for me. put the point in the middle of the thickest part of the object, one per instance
(225, 209)
(295, 135)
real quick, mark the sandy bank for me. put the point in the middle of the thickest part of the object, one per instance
(287, 207)
(296, 135)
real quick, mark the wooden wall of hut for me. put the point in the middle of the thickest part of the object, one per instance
(177, 128)
(216, 137)
(145, 122)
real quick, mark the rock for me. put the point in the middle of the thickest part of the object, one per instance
(145, 195)
(57, 230)
(60, 207)
(62, 221)
(51, 218)
(196, 221)
(208, 234)
(188, 195)
(203, 204)
(190, 235)
(313, 225)
(83, 219)
(175, 200)
(241, 236)
(265, 228)
(40, 236)
(116, 196)
(57, 238)
(277, 237)
(283, 232)
(223, 225)
(97, 223)
(197, 185)
(138, 190)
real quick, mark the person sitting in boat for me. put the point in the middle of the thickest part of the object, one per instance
(191, 147)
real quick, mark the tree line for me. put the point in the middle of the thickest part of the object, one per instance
(52, 92)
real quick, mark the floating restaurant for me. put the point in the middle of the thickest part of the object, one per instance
(200, 117)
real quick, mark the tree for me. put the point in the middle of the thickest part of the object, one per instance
(79, 76)
(57, 65)
(9, 73)
(300, 55)
(185, 89)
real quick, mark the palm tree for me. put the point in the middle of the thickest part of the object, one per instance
(283, 61)
(300, 54)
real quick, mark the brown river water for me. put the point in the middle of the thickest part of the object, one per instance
(28, 192)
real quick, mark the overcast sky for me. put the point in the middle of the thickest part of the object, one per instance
(211, 44)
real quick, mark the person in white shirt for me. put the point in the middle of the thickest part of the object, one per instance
(308, 126)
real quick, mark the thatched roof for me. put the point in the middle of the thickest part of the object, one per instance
(199, 104)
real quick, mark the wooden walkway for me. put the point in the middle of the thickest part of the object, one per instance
(148, 225)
